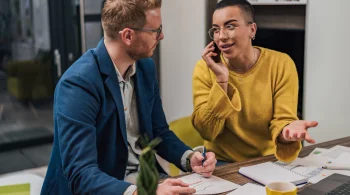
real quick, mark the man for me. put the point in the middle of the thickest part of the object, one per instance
(105, 101)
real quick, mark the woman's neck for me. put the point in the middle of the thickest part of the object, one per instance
(245, 61)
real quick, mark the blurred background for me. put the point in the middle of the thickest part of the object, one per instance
(40, 39)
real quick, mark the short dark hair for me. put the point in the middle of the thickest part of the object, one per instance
(244, 5)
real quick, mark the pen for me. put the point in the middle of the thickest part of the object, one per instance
(336, 167)
(204, 155)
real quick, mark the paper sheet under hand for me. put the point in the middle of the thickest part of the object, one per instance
(211, 185)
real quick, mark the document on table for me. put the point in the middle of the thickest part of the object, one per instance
(307, 171)
(319, 151)
(311, 166)
(249, 189)
(342, 159)
(211, 185)
(325, 173)
(336, 151)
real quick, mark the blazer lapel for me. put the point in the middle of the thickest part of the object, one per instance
(107, 68)
(145, 119)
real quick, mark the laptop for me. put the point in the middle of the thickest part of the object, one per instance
(335, 184)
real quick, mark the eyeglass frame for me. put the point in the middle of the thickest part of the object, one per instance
(224, 31)
(158, 30)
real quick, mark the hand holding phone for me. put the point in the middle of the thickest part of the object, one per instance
(216, 58)
(215, 63)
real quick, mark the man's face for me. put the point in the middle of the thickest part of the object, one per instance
(145, 42)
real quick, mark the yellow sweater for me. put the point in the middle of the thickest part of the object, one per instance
(246, 121)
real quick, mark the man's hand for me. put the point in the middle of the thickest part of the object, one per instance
(297, 131)
(208, 166)
(174, 187)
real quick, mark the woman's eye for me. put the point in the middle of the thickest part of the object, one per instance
(230, 27)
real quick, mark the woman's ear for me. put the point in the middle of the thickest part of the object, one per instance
(253, 29)
(126, 35)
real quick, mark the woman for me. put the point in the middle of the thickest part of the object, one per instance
(245, 105)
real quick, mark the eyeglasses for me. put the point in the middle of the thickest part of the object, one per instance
(228, 30)
(158, 30)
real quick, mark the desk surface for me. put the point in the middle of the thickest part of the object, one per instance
(230, 171)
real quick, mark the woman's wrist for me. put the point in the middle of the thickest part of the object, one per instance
(222, 79)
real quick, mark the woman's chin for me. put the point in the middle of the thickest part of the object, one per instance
(228, 55)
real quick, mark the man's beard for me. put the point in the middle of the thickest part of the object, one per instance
(140, 50)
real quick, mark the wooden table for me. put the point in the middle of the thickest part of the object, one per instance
(230, 171)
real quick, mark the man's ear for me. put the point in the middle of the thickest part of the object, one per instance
(127, 35)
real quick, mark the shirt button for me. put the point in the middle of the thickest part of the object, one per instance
(126, 108)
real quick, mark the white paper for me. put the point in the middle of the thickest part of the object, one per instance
(314, 161)
(325, 173)
(342, 160)
(319, 151)
(249, 189)
(288, 166)
(267, 172)
(211, 185)
(307, 171)
(335, 152)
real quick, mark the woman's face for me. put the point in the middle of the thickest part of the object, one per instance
(233, 42)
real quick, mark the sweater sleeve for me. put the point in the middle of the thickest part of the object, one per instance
(212, 106)
(285, 101)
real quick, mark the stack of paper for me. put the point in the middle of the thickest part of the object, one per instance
(267, 172)
(311, 166)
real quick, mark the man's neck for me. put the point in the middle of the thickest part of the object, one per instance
(119, 57)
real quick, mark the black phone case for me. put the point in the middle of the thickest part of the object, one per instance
(217, 58)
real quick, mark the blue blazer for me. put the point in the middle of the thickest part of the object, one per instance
(90, 153)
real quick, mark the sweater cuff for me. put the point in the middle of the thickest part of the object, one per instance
(220, 104)
(285, 152)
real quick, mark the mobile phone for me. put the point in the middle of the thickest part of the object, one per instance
(216, 58)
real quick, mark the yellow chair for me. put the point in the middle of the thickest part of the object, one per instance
(185, 131)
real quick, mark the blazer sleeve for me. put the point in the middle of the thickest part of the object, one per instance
(76, 108)
(171, 148)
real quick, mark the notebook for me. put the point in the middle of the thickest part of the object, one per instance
(249, 188)
(267, 172)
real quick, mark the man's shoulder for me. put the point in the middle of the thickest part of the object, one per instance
(147, 68)
(145, 64)
(85, 66)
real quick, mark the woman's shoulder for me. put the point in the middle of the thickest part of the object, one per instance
(201, 66)
(272, 54)
(275, 59)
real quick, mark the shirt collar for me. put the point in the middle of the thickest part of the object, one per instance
(128, 74)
